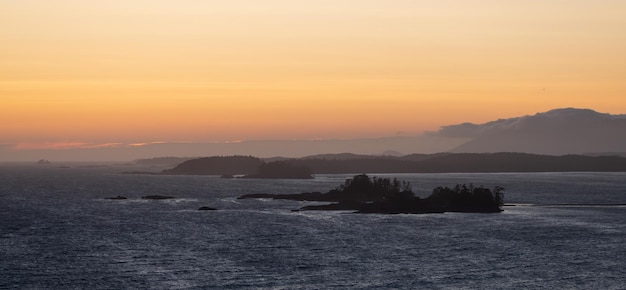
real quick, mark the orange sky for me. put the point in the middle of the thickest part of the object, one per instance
(196, 70)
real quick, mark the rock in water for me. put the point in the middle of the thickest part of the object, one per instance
(207, 208)
(116, 197)
(157, 197)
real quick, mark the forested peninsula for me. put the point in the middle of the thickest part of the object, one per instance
(253, 167)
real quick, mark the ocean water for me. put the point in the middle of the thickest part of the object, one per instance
(58, 232)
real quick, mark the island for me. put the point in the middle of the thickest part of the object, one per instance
(228, 167)
(207, 208)
(116, 197)
(364, 194)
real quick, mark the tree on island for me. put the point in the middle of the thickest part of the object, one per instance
(364, 188)
(467, 198)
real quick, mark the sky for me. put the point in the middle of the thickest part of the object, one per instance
(89, 73)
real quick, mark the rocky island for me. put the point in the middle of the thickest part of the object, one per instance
(119, 197)
(364, 194)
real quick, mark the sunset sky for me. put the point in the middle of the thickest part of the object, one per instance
(130, 72)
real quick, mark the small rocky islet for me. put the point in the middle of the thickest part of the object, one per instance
(119, 197)
(207, 208)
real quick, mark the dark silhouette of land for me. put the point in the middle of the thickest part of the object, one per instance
(217, 165)
(247, 166)
(364, 194)
(253, 167)
(207, 208)
(282, 169)
(467, 162)
(116, 197)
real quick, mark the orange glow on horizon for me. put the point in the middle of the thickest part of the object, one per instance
(203, 71)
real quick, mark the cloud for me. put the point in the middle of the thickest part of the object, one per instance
(141, 144)
(470, 130)
(528, 122)
(62, 145)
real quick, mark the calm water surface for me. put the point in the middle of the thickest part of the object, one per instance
(57, 232)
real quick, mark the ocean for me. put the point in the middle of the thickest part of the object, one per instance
(57, 231)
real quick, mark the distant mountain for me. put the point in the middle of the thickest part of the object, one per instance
(556, 132)
(262, 148)
(391, 153)
(341, 156)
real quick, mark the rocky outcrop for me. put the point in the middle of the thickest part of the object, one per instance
(116, 197)
(207, 208)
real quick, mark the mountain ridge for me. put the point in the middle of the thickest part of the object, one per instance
(555, 132)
